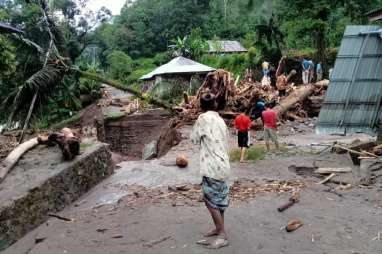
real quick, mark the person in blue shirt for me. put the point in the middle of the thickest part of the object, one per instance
(319, 72)
(258, 109)
(311, 71)
(306, 71)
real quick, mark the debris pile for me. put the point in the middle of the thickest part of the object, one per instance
(7, 144)
(241, 190)
(233, 97)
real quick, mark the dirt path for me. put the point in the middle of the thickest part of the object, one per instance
(125, 215)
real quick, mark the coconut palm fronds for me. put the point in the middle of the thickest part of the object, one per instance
(27, 42)
(42, 82)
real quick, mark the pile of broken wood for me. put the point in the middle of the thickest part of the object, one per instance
(190, 194)
(367, 163)
(234, 97)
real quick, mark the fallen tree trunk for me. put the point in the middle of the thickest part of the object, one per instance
(67, 141)
(10, 161)
(122, 87)
(299, 95)
(69, 144)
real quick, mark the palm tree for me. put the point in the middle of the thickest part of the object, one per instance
(55, 67)
(180, 47)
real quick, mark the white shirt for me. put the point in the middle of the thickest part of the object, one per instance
(211, 133)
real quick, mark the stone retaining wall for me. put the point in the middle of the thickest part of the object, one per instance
(42, 183)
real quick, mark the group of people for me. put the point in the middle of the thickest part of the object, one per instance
(308, 69)
(243, 123)
(279, 81)
(270, 78)
(211, 133)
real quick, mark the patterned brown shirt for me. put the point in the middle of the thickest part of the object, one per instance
(211, 133)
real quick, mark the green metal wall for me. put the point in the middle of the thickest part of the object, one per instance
(353, 100)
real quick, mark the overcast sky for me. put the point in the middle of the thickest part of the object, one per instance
(113, 5)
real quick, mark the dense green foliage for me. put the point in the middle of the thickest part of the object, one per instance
(23, 56)
(268, 28)
(149, 33)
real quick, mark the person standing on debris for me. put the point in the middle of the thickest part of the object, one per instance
(265, 69)
(211, 133)
(272, 76)
(265, 81)
(319, 72)
(311, 71)
(305, 71)
(243, 125)
(270, 126)
(258, 109)
(281, 84)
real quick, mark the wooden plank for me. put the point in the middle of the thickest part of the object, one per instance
(327, 178)
(333, 170)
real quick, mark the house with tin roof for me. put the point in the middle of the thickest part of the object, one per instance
(225, 47)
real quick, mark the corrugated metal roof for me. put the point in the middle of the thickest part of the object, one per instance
(179, 65)
(354, 97)
(225, 47)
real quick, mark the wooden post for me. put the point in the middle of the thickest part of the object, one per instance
(379, 134)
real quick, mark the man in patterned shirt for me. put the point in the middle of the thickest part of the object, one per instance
(211, 134)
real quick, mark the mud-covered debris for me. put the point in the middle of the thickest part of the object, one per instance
(295, 198)
(293, 225)
(189, 194)
(7, 144)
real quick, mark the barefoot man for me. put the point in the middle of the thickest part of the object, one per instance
(211, 134)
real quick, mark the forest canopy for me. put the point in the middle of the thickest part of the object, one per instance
(149, 33)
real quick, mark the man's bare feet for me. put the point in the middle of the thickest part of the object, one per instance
(211, 233)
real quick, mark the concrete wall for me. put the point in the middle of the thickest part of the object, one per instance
(42, 183)
(128, 135)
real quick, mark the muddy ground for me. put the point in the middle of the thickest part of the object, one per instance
(134, 212)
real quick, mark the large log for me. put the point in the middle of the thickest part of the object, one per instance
(298, 95)
(10, 161)
(67, 141)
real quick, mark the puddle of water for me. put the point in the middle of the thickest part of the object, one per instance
(110, 198)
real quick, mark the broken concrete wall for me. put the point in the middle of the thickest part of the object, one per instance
(129, 134)
(42, 183)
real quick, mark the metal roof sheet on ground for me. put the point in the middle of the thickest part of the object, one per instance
(225, 46)
(354, 97)
(179, 65)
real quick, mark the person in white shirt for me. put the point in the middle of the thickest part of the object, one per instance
(211, 133)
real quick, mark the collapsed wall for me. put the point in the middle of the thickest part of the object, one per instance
(43, 183)
(129, 134)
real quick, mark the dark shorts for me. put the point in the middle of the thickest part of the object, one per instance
(215, 193)
(242, 139)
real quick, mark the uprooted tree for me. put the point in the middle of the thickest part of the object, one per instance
(56, 64)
